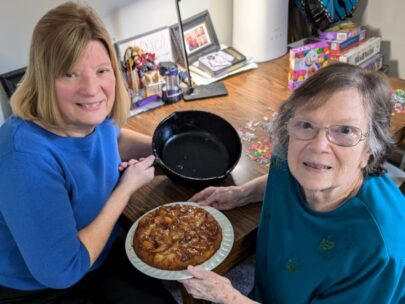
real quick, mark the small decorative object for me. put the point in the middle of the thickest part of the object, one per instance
(152, 82)
(170, 90)
(141, 72)
(136, 58)
(130, 70)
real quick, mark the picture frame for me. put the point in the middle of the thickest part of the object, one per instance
(11, 79)
(199, 37)
(157, 41)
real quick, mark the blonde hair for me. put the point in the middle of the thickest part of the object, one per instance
(59, 38)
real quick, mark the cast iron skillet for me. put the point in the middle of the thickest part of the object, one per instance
(195, 147)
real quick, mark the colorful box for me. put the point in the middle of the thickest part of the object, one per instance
(340, 31)
(341, 45)
(306, 60)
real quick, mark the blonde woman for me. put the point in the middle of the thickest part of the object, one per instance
(68, 171)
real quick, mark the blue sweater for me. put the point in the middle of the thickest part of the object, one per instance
(353, 254)
(51, 187)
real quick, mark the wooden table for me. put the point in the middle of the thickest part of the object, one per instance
(253, 95)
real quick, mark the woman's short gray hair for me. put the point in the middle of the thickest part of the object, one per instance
(315, 91)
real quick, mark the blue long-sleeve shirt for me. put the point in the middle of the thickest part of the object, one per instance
(51, 187)
(353, 254)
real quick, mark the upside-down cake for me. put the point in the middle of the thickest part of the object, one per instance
(175, 236)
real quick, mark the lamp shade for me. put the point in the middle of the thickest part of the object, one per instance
(260, 28)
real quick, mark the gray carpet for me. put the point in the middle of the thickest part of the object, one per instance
(242, 278)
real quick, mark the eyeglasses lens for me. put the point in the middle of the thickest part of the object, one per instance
(341, 135)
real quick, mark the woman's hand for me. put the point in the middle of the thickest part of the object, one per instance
(136, 173)
(126, 164)
(222, 198)
(210, 286)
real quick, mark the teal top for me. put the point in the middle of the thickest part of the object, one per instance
(353, 254)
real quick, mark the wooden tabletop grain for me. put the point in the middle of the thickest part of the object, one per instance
(253, 96)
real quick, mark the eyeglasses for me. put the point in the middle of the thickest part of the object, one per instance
(341, 135)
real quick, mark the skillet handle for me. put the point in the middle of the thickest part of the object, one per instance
(158, 167)
(157, 162)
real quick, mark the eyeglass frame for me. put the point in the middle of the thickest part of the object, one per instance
(362, 136)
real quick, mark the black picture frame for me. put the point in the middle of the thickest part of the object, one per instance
(199, 37)
(11, 79)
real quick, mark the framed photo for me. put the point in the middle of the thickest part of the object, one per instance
(199, 37)
(11, 79)
(157, 41)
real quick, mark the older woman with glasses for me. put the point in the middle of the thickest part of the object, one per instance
(332, 223)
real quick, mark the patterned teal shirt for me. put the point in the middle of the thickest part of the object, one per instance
(353, 254)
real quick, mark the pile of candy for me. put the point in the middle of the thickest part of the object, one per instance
(259, 146)
(398, 99)
(260, 151)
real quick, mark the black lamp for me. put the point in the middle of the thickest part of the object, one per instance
(199, 92)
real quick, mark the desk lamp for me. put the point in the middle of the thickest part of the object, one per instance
(199, 92)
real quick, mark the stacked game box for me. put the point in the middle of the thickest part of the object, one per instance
(341, 31)
(306, 60)
(348, 43)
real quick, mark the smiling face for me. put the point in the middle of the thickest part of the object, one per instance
(319, 165)
(85, 94)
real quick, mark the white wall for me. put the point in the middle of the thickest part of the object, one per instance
(123, 18)
(126, 18)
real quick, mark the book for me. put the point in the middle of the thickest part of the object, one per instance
(199, 77)
(221, 62)
(340, 31)
(305, 60)
(362, 52)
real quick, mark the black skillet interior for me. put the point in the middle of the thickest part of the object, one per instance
(193, 146)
